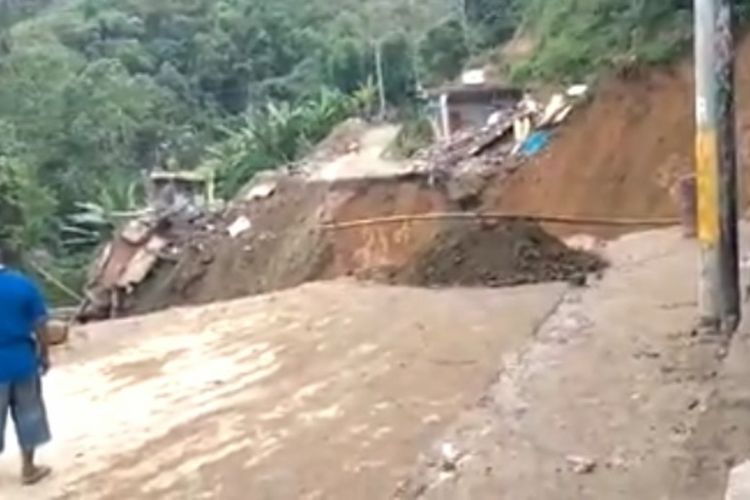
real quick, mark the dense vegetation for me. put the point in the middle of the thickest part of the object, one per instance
(94, 92)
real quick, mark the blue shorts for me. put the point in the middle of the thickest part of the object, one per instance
(23, 401)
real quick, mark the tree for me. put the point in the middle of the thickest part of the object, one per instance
(26, 207)
(443, 51)
(347, 64)
(398, 61)
(493, 21)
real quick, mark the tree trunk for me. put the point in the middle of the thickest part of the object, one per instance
(381, 80)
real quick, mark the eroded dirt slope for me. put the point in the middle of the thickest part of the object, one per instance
(620, 155)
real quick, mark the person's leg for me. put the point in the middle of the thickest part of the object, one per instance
(32, 428)
(4, 408)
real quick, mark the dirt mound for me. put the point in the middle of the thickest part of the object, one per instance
(620, 155)
(284, 248)
(291, 242)
(497, 255)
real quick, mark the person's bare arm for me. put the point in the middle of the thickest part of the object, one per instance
(42, 342)
(39, 319)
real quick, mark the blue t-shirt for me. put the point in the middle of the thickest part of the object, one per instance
(22, 309)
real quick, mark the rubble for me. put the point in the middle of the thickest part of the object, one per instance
(556, 106)
(239, 226)
(580, 464)
(579, 90)
(450, 457)
(509, 137)
(177, 202)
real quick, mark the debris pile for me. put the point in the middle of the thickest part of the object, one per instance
(499, 254)
(180, 206)
(250, 247)
(510, 136)
(289, 240)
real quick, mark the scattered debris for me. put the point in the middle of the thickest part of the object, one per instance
(647, 354)
(535, 143)
(493, 137)
(584, 243)
(261, 191)
(580, 464)
(181, 195)
(136, 232)
(491, 141)
(529, 105)
(239, 226)
(579, 90)
(177, 202)
(557, 105)
(121, 264)
(578, 280)
(450, 457)
(142, 262)
(617, 461)
(522, 128)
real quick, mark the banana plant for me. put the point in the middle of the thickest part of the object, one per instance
(95, 221)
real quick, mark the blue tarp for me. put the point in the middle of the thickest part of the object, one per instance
(535, 143)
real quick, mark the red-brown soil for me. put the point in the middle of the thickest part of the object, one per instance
(620, 155)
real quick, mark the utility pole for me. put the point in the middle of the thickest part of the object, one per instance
(716, 166)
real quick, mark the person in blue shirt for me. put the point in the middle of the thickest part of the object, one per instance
(23, 360)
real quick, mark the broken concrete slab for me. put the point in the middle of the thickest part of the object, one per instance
(142, 261)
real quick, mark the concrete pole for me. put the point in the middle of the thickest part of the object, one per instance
(445, 116)
(716, 166)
